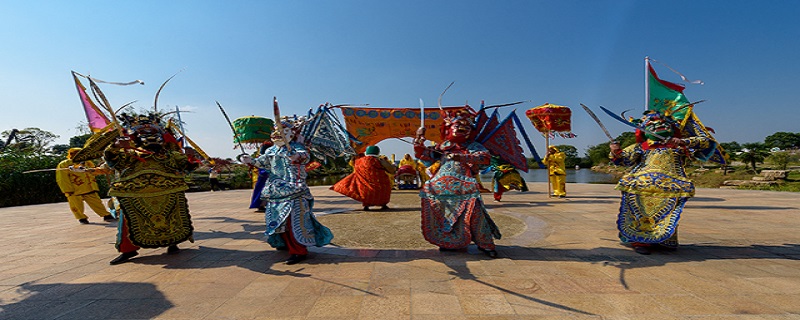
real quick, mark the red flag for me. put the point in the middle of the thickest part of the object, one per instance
(502, 141)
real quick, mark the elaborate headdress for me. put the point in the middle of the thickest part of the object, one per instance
(148, 129)
(651, 116)
(464, 117)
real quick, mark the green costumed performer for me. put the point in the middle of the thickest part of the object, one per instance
(506, 177)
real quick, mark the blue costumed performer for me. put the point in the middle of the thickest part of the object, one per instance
(289, 204)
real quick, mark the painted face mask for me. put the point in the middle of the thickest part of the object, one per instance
(659, 125)
(281, 138)
(459, 130)
(149, 137)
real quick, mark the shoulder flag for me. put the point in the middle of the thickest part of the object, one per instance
(97, 120)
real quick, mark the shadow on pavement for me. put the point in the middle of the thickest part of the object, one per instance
(87, 301)
(270, 261)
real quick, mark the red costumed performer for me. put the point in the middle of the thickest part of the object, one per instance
(369, 182)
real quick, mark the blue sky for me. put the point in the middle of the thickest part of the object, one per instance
(392, 53)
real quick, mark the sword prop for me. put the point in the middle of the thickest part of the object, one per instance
(628, 123)
(45, 170)
(278, 125)
(594, 116)
(235, 136)
(421, 118)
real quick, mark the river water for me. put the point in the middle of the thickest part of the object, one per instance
(533, 175)
(573, 176)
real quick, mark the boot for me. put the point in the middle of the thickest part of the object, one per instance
(642, 250)
(295, 258)
(124, 257)
(491, 253)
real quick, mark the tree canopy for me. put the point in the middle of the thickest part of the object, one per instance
(783, 140)
(28, 140)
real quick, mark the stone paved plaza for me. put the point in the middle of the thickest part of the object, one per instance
(739, 259)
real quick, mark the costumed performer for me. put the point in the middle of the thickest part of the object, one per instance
(260, 175)
(150, 187)
(453, 213)
(556, 171)
(505, 178)
(78, 183)
(289, 204)
(407, 176)
(369, 182)
(656, 189)
(423, 172)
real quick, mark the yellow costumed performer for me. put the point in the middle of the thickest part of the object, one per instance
(77, 181)
(556, 170)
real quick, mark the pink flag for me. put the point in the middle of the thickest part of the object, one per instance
(97, 120)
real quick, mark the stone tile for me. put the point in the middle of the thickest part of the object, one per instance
(337, 306)
(438, 287)
(435, 303)
(304, 287)
(690, 305)
(192, 308)
(385, 307)
(742, 304)
(557, 269)
(485, 304)
(241, 308)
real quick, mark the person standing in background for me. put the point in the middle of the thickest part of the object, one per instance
(78, 183)
(557, 171)
(213, 178)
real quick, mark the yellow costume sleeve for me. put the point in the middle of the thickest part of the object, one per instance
(62, 177)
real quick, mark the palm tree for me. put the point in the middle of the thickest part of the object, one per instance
(753, 153)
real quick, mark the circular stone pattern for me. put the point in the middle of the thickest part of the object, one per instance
(396, 228)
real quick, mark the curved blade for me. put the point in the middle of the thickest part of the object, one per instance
(630, 124)
(594, 117)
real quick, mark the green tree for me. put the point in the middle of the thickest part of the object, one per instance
(79, 141)
(598, 154)
(59, 149)
(533, 164)
(731, 148)
(28, 140)
(781, 159)
(626, 138)
(783, 140)
(753, 153)
(571, 154)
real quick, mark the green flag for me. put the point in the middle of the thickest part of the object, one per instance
(665, 97)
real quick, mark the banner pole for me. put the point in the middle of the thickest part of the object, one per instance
(547, 143)
(646, 82)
